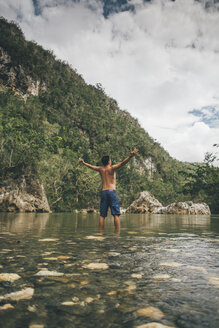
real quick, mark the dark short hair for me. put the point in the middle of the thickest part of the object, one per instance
(105, 160)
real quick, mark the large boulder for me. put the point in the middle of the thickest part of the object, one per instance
(184, 208)
(144, 204)
(27, 195)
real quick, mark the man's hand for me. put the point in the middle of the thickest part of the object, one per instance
(134, 152)
(81, 160)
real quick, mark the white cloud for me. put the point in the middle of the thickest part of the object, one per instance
(159, 62)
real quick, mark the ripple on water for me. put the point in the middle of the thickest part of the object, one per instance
(171, 264)
(214, 281)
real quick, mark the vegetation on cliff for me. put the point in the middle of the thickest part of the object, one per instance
(50, 117)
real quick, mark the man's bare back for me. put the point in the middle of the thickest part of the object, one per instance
(108, 176)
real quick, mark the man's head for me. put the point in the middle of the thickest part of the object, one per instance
(105, 160)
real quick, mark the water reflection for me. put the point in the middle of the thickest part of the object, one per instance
(20, 222)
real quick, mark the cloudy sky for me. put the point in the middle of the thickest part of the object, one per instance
(159, 59)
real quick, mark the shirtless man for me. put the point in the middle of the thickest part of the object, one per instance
(109, 197)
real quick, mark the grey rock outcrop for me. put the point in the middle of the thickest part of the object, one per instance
(144, 204)
(14, 77)
(184, 208)
(24, 197)
(147, 203)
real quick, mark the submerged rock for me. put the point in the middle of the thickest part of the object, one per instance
(151, 312)
(9, 277)
(32, 308)
(131, 286)
(95, 238)
(6, 307)
(96, 266)
(153, 325)
(51, 258)
(75, 299)
(48, 239)
(46, 273)
(113, 254)
(68, 303)
(145, 203)
(84, 282)
(112, 293)
(63, 257)
(162, 276)
(89, 299)
(137, 275)
(24, 294)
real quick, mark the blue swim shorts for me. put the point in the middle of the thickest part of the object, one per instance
(109, 198)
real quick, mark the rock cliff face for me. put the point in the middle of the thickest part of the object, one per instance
(147, 203)
(16, 79)
(26, 195)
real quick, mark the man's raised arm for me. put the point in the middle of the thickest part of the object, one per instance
(132, 153)
(96, 168)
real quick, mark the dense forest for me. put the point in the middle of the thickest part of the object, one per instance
(50, 117)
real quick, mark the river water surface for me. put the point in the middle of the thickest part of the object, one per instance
(160, 268)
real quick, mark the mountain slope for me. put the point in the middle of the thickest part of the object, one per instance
(50, 117)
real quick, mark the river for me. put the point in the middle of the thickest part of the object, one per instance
(62, 272)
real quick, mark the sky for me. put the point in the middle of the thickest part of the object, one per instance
(159, 59)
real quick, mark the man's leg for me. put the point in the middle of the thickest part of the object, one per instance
(101, 222)
(117, 222)
(103, 209)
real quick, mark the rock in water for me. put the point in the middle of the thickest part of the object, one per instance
(145, 203)
(9, 277)
(161, 276)
(151, 312)
(24, 294)
(6, 307)
(137, 275)
(99, 238)
(96, 266)
(154, 325)
(48, 239)
(25, 195)
(68, 303)
(46, 273)
(185, 208)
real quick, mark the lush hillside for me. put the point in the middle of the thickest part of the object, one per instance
(50, 117)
